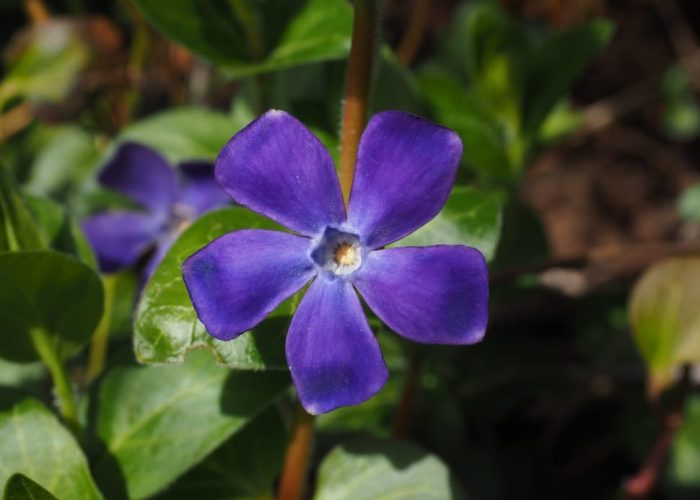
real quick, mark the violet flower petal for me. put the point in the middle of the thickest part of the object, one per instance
(405, 169)
(239, 278)
(432, 295)
(200, 191)
(333, 356)
(142, 175)
(279, 169)
(119, 239)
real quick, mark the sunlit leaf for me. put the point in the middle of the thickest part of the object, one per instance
(35, 444)
(665, 316)
(157, 422)
(370, 469)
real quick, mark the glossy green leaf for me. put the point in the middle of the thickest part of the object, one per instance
(245, 466)
(665, 317)
(18, 231)
(185, 133)
(45, 62)
(245, 37)
(470, 218)
(60, 229)
(35, 444)
(370, 469)
(689, 203)
(157, 422)
(68, 159)
(166, 325)
(50, 291)
(20, 487)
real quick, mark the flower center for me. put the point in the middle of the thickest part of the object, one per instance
(337, 252)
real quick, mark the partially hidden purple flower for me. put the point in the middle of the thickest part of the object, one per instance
(168, 202)
(406, 167)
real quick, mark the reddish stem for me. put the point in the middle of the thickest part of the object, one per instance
(296, 461)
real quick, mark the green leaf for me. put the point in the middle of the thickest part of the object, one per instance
(684, 458)
(470, 218)
(18, 230)
(45, 62)
(68, 159)
(484, 139)
(20, 487)
(245, 466)
(166, 325)
(185, 133)
(682, 111)
(35, 444)
(61, 230)
(245, 37)
(50, 291)
(554, 65)
(370, 469)
(665, 317)
(157, 422)
(394, 86)
(689, 203)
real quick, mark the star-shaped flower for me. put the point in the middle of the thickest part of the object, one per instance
(121, 237)
(406, 167)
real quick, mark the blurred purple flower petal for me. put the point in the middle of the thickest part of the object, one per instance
(119, 239)
(200, 191)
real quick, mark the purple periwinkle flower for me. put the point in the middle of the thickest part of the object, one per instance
(121, 237)
(406, 167)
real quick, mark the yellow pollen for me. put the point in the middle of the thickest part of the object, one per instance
(345, 254)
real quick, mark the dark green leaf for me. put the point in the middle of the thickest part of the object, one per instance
(243, 467)
(455, 107)
(370, 469)
(394, 86)
(20, 487)
(50, 291)
(247, 37)
(665, 317)
(185, 133)
(61, 230)
(18, 230)
(554, 66)
(469, 218)
(35, 444)
(167, 327)
(157, 422)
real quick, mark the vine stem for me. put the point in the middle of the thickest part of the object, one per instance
(362, 50)
(415, 31)
(100, 338)
(62, 385)
(404, 413)
(296, 461)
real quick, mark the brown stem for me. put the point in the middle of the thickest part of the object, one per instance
(357, 90)
(404, 413)
(641, 485)
(296, 461)
(36, 11)
(415, 30)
